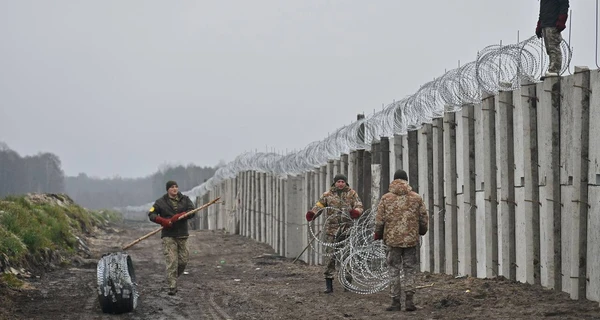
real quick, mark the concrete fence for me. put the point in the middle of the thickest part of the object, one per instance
(512, 185)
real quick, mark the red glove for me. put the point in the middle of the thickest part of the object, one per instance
(354, 214)
(561, 23)
(376, 236)
(176, 217)
(538, 29)
(310, 215)
(164, 222)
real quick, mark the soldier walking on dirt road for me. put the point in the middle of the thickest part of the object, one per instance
(166, 211)
(401, 217)
(344, 199)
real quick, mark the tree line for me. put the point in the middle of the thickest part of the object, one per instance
(95, 193)
(43, 173)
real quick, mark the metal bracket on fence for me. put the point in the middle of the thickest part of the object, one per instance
(538, 202)
(472, 205)
(508, 104)
(562, 205)
(584, 88)
(490, 200)
(531, 97)
(579, 201)
(510, 201)
(450, 204)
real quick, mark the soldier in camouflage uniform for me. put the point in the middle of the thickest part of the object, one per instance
(166, 211)
(552, 20)
(401, 217)
(344, 199)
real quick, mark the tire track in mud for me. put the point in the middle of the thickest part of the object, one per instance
(215, 306)
(208, 307)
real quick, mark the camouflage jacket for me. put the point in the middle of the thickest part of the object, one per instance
(399, 214)
(344, 200)
(167, 208)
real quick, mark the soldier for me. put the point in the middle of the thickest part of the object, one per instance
(401, 217)
(344, 199)
(552, 20)
(166, 211)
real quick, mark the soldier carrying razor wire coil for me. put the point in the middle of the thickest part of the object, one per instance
(344, 199)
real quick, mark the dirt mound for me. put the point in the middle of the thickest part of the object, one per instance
(61, 199)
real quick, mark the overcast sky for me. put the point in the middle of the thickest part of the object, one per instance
(119, 87)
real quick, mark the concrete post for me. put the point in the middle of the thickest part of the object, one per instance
(384, 182)
(549, 174)
(294, 205)
(469, 239)
(425, 174)
(413, 160)
(359, 187)
(247, 204)
(530, 237)
(375, 173)
(438, 195)
(329, 173)
(282, 216)
(491, 186)
(398, 156)
(269, 211)
(255, 206)
(451, 204)
(368, 180)
(579, 218)
(307, 202)
(593, 236)
(264, 210)
(506, 158)
(344, 166)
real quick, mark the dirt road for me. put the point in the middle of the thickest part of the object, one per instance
(232, 277)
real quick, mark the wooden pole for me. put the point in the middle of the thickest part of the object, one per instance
(157, 230)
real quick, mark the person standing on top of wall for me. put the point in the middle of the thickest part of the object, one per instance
(552, 21)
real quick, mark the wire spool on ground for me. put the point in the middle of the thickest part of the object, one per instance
(117, 290)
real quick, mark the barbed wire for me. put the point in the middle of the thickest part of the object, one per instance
(361, 261)
(497, 67)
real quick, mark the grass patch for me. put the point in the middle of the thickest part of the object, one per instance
(30, 227)
(11, 281)
(11, 245)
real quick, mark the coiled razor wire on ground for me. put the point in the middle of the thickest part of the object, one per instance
(360, 260)
(497, 67)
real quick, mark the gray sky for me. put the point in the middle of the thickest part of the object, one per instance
(119, 87)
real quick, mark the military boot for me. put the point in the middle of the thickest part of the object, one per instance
(410, 305)
(328, 285)
(395, 305)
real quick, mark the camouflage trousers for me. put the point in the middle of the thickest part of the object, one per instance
(402, 266)
(176, 257)
(332, 257)
(553, 39)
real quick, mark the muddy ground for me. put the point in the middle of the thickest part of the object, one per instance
(232, 277)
